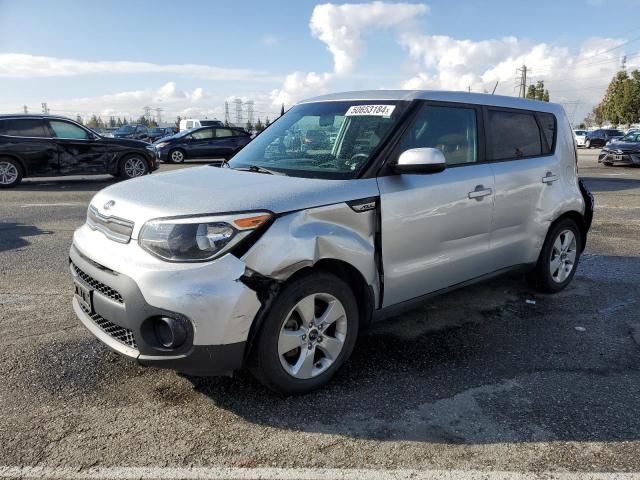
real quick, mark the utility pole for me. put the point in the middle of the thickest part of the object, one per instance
(624, 63)
(522, 81)
(45, 108)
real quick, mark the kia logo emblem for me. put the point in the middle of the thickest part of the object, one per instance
(109, 204)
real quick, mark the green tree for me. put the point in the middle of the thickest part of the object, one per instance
(153, 123)
(267, 122)
(93, 122)
(79, 119)
(259, 126)
(531, 92)
(119, 122)
(112, 121)
(248, 127)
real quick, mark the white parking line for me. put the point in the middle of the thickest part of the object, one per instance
(222, 473)
(62, 204)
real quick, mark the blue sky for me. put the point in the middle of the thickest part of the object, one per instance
(188, 57)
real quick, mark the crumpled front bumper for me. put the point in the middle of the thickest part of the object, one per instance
(623, 158)
(129, 288)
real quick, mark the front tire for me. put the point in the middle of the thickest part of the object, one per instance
(559, 257)
(308, 333)
(133, 166)
(587, 144)
(176, 156)
(10, 173)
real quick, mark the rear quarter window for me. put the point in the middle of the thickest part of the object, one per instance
(548, 125)
(512, 135)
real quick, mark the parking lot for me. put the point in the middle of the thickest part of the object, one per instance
(492, 377)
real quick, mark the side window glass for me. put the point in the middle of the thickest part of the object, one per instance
(189, 124)
(512, 135)
(452, 130)
(548, 124)
(67, 130)
(202, 134)
(224, 132)
(4, 124)
(26, 127)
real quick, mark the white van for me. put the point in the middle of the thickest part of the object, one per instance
(189, 123)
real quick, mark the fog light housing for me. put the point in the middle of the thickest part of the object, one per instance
(169, 332)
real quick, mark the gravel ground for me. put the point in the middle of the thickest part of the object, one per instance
(476, 379)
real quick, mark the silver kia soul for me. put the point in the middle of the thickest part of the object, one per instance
(349, 208)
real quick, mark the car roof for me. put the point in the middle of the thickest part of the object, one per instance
(34, 115)
(441, 96)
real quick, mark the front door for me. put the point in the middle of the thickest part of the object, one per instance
(199, 145)
(79, 151)
(436, 227)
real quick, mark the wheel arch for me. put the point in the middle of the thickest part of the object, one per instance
(123, 157)
(22, 163)
(580, 221)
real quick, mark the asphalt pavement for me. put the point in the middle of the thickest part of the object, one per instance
(491, 378)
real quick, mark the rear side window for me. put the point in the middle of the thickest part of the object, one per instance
(3, 126)
(512, 135)
(202, 134)
(68, 130)
(548, 125)
(26, 127)
(224, 132)
(452, 130)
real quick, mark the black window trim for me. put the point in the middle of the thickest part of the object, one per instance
(535, 113)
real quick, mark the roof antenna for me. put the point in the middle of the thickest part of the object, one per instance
(494, 88)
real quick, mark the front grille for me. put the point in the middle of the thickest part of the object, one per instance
(121, 334)
(97, 285)
(115, 228)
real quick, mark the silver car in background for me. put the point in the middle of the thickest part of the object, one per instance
(581, 137)
(350, 208)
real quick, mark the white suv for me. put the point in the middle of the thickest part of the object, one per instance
(348, 209)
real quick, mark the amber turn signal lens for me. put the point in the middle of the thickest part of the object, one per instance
(251, 222)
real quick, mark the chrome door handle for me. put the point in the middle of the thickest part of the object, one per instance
(480, 192)
(549, 178)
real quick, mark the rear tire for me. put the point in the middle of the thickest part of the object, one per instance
(587, 144)
(133, 166)
(558, 260)
(308, 333)
(10, 173)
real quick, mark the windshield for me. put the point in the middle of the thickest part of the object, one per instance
(126, 129)
(615, 133)
(631, 137)
(322, 140)
(580, 132)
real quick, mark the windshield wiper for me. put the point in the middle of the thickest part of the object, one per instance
(259, 169)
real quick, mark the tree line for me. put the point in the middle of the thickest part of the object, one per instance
(115, 122)
(621, 102)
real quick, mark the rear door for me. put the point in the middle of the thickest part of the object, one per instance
(436, 227)
(29, 139)
(520, 147)
(79, 150)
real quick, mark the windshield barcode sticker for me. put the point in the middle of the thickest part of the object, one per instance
(372, 110)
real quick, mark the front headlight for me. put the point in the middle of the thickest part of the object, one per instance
(198, 239)
(162, 144)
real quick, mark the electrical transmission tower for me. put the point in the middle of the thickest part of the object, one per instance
(227, 118)
(238, 104)
(45, 108)
(250, 111)
(147, 112)
(158, 116)
(521, 81)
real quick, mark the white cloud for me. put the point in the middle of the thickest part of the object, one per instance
(341, 29)
(28, 66)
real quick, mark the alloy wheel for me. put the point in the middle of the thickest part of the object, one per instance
(312, 335)
(8, 173)
(177, 156)
(135, 167)
(563, 256)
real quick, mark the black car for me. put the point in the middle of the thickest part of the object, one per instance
(203, 142)
(157, 133)
(599, 138)
(44, 145)
(136, 132)
(625, 150)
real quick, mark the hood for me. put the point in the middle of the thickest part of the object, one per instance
(624, 146)
(212, 190)
(125, 142)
